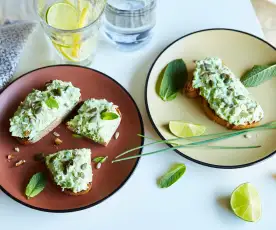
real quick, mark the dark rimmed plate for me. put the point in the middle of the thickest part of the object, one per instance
(240, 51)
(106, 180)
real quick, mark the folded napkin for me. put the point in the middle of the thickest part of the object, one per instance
(13, 36)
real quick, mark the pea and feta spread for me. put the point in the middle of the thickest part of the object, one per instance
(41, 108)
(225, 93)
(71, 169)
(89, 121)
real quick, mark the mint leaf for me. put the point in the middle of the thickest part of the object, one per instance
(171, 176)
(100, 159)
(36, 185)
(109, 116)
(258, 74)
(52, 103)
(173, 79)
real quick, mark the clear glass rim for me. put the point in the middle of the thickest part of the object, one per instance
(68, 31)
(148, 7)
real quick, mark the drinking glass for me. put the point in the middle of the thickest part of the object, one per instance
(129, 23)
(72, 26)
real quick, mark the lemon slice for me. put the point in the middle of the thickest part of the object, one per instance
(84, 51)
(183, 129)
(62, 16)
(245, 203)
(82, 22)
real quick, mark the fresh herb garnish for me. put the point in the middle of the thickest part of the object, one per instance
(36, 185)
(171, 176)
(100, 159)
(52, 103)
(76, 135)
(172, 79)
(199, 144)
(258, 74)
(57, 92)
(109, 116)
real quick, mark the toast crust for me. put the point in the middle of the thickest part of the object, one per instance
(210, 113)
(68, 191)
(105, 143)
(71, 193)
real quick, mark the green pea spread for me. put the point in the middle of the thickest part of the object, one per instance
(89, 122)
(71, 169)
(41, 108)
(225, 94)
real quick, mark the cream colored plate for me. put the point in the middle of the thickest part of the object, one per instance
(239, 51)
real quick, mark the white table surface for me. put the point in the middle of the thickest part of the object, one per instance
(199, 199)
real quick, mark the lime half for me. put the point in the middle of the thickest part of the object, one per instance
(63, 16)
(183, 129)
(245, 203)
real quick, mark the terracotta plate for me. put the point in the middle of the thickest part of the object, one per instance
(240, 51)
(106, 180)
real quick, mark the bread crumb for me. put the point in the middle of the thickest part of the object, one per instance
(98, 166)
(10, 157)
(58, 141)
(21, 162)
(16, 149)
(116, 136)
(56, 134)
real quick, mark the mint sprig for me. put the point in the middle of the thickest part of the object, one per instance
(258, 74)
(36, 185)
(52, 103)
(172, 79)
(109, 116)
(173, 175)
(100, 159)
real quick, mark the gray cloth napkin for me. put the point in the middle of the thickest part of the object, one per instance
(13, 36)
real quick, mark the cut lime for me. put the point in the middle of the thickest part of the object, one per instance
(245, 203)
(183, 129)
(85, 50)
(62, 16)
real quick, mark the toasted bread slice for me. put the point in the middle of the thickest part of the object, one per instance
(71, 171)
(45, 132)
(210, 113)
(192, 92)
(69, 192)
(103, 130)
(42, 114)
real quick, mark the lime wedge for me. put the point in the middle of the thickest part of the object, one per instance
(245, 203)
(183, 129)
(62, 16)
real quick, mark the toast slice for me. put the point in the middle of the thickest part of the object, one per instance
(43, 110)
(223, 97)
(71, 170)
(97, 120)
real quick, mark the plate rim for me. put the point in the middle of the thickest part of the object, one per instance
(154, 125)
(126, 179)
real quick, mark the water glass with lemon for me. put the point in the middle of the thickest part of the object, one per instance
(72, 26)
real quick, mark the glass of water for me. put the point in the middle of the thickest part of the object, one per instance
(72, 26)
(129, 23)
